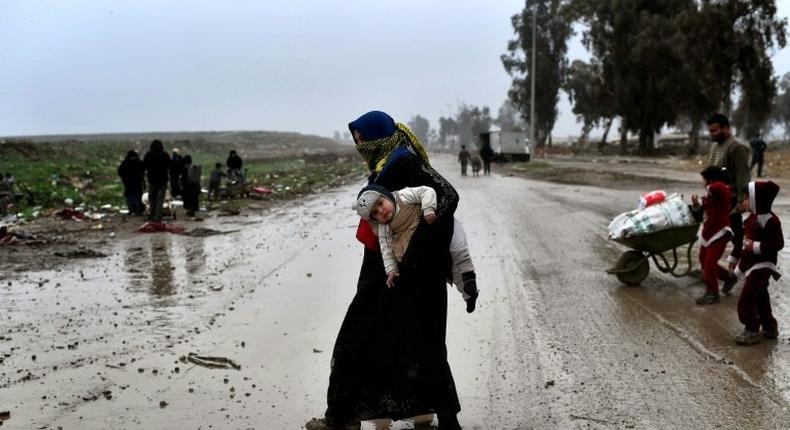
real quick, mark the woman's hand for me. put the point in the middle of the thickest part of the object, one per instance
(430, 218)
(391, 279)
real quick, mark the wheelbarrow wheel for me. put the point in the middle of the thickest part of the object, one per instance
(635, 268)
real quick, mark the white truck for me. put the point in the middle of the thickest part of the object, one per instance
(507, 145)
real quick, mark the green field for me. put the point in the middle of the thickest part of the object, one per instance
(50, 171)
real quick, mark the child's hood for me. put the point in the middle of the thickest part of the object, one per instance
(761, 196)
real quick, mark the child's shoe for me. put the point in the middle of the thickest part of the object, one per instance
(771, 332)
(729, 283)
(708, 298)
(470, 289)
(747, 337)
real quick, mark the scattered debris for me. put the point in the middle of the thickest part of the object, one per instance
(70, 214)
(203, 232)
(16, 236)
(154, 227)
(260, 192)
(212, 362)
(81, 252)
(4, 416)
(317, 351)
(216, 287)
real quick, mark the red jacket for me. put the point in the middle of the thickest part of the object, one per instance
(716, 205)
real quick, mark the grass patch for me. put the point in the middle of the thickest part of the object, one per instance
(86, 172)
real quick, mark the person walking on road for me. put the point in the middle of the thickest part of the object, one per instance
(731, 153)
(758, 150)
(764, 240)
(463, 158)
(716, 232)
(157, 165)
(132, 175)
(487, 154)
(415, 378)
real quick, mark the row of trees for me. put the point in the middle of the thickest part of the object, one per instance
(653, 64)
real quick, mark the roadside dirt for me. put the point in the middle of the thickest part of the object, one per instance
(99, 343)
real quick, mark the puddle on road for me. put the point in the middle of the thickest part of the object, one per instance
(154, 293)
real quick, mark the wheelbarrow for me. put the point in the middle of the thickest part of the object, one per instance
(633, 266)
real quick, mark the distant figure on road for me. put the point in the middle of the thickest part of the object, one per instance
(487, 154)
(176, 172)
(715, 234)
(764, 239)
(728, 152)
(477, 164)
(190, 190)
(463, 158)
(157, 165)
(132, 175)
(758, 150)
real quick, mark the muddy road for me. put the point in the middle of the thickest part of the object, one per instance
(555, 341)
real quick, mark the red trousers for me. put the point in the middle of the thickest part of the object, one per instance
(754, 305)
(709, 260)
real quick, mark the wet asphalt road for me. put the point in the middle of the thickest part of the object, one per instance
(555, 342)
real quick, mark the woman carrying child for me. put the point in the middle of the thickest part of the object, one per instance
(390, 356)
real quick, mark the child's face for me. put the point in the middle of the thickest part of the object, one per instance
(743, 205)
(383, 210)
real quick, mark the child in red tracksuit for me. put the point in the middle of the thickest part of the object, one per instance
(763, 240)
(715, 233)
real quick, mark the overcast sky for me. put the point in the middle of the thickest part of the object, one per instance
(80, 66)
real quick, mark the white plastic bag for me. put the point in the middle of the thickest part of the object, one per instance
(672, 213)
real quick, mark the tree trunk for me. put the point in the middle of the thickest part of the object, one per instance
(646, 142)
(602, 143)
(623, 138)
(694, 137)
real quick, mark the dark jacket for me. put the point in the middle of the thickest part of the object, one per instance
(234, 162)
(131, 172)
(157, 165)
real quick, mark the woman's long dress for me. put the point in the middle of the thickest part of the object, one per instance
(390, 356)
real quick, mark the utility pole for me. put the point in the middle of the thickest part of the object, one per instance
(532, 84)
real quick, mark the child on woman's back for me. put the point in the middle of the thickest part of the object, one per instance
(395, 217)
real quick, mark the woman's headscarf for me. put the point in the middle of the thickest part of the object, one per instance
(381, 136)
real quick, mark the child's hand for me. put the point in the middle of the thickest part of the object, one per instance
(391, 279)
(430, 218)
(748, 245)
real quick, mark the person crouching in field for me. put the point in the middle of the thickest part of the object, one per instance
(395, 217)
(715, 233)
(764, 239)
